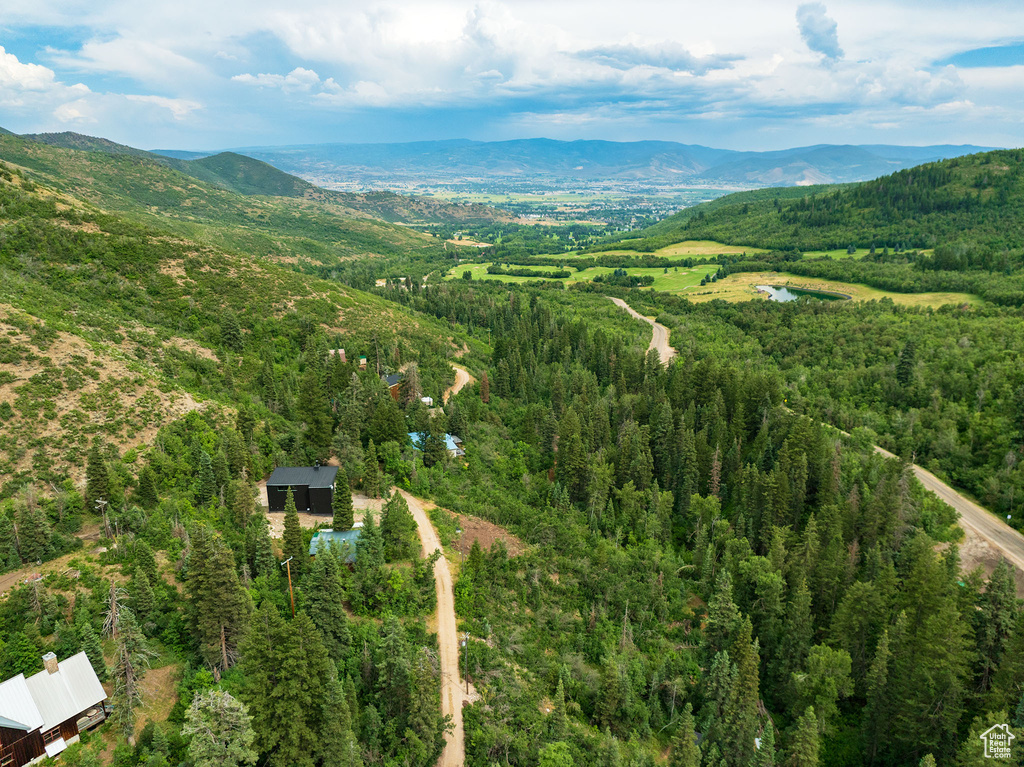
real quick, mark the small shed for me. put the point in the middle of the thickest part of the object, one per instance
(312, 486)
(346, 540)
(453, 443)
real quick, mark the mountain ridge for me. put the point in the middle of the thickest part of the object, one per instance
(664, 163)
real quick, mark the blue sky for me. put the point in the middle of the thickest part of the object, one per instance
(740, 74)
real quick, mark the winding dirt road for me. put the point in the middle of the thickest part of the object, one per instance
(454, 754)
(462, 378)
(659, 338)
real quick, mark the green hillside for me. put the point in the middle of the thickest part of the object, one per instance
(974, 198)
(300, 231)
(114, 328)
(248, 176)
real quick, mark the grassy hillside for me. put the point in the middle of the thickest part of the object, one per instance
(113, 328)
(292, 229)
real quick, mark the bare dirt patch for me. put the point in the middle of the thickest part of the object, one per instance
(976, 551)
(476, 530)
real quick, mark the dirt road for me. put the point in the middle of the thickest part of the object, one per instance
(454, 754)
(462, 378)
(659, 338)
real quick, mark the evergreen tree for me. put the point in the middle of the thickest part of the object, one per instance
(243, 504)
(804, 749)
(220, 606)
(324, 602)
(398, 529)
(286, 668)
(344, 515)
(132, 657)
(875, 715)
(142, 598)
(146, 559)
(220, 731)
(19, 656)
(293, 534)
(723, 617)
(685, 750)
(146, 495)
(97, 479)
(33, 531)
(371, 472)
(90, 643)
(905, 364)
(485, 389)
(745, 699)
(765, 756)
(338, 745)
(259, 550)
(370, 576)
(557, 723)
(824, 680)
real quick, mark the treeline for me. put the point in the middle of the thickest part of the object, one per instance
(536, 273)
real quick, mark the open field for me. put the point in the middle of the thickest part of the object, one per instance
(741, 287)
(838, 253)
(696, 248)
(676, 280)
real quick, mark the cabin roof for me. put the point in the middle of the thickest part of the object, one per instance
(308, 476)
(341, 538)
(67, 692)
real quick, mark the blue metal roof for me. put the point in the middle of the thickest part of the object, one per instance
(418, 438)
(344, 539)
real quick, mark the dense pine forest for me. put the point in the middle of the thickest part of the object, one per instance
(708, 573)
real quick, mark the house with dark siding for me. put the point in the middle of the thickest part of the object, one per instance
(45, 713)
(312, 486)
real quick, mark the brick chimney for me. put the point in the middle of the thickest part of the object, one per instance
(50, 662)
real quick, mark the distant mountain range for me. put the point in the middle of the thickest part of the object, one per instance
(545, 161)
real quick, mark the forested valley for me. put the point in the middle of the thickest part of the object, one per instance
(709, 573)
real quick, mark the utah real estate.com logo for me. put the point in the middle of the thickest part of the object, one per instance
(997, 741)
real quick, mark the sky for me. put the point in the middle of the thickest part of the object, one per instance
(735, 74)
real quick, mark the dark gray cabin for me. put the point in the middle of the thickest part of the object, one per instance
(313, 487)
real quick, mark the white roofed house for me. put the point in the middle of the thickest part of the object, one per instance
(42, 715)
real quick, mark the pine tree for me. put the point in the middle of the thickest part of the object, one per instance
(875, 715)
(142, 598)
(338, 746)
(557, 723)
(129, 667)
(905, 364)
(344, 515)
(19, 656)
(804, 750)
(370, 575)
(765, 756)
(97, 479)
(220, 731)
(259, 550)
(33, 531)
(287, 668)
(824, 680)
(147, 492)
(927, 761)
(90, 643)
(220, 606)
(723, 617)
(324, 603)
(293, 534)
(146, 559)
(371, 472)
(243, 503)
(685, 750)
(745, 699)
(398, 529)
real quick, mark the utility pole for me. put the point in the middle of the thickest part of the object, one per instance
(291, 593)
(466, 642)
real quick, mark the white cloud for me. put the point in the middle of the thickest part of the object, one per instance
(179, 108)
(299, 79)
(23, 77)
(819, 30)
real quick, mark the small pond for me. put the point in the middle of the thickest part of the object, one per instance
(792, 294)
